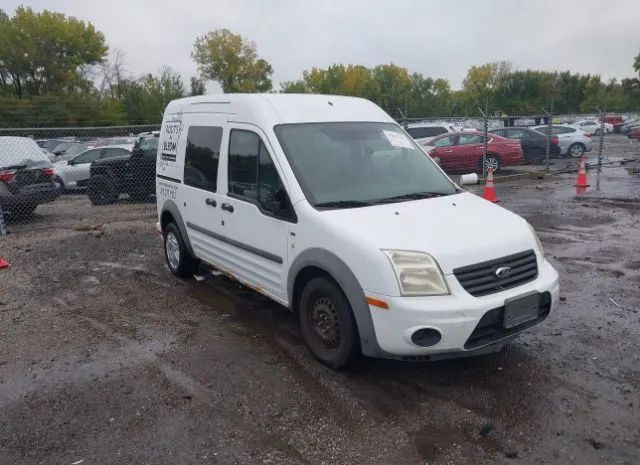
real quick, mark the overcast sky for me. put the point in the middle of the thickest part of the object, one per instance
(436, 38)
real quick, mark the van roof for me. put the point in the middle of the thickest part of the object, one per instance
(271, 109)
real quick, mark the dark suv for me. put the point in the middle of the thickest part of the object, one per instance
(131, 174)
(26, 176)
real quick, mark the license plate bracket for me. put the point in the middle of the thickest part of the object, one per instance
(521, 309)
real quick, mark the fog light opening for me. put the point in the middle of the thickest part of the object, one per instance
(426, 337)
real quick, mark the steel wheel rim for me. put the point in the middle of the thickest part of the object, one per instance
(325, 322)
(173, 250)
(576, 151)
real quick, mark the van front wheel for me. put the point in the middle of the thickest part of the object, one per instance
(180, 262)
(327, 323)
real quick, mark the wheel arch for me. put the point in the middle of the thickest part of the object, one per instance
(171, 213)
(316, 262)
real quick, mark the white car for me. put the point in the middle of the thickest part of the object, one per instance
(423, 132)
(571, 141)
(74, 174)
(592, 127)
(323, 204)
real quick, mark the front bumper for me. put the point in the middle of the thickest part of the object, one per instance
(455, 316)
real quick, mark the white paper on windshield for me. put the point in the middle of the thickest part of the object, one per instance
(397, 139)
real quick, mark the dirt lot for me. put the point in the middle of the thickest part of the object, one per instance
(106, 358)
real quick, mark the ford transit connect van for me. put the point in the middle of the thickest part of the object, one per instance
(325, 205)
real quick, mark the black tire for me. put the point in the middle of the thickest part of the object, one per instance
(102, 190)
(185, 265)
(327, 323)
(536, 156)
(576, 150)
(139, 196)
(493, 160)
(597, 133)
(24, 211)
(59, 183)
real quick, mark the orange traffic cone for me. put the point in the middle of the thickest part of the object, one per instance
(489, 191)
(4, 263)
(582, 175)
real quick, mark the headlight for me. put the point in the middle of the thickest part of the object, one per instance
(418, 273)
(535, 236)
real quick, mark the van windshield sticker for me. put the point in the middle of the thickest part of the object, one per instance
(397, 139)
(172, 130)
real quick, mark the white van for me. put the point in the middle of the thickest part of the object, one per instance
(325, 205)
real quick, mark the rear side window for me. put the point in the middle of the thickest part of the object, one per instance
(466, 139)
(201, 157)
(429, 131)
(88, 156)
(115, 152)
(445, 142)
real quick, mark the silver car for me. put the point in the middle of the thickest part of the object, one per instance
(572, 141)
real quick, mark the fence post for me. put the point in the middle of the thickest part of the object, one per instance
(3, 225)
(485, 143)
(549, 132)
(601, 142)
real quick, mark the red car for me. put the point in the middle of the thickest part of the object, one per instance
(462, 151)
(635, 134)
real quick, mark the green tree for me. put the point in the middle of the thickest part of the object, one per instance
(46, 52)
(197, 87)
(146, 98)
(231, 61)
(482, 83)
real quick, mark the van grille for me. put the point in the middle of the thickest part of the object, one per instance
(480, 279)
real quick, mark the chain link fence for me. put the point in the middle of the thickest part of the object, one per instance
(512, 144)
(42, 168)
(39, 167)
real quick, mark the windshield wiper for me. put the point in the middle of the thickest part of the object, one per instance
(343, 204)
(412, 196)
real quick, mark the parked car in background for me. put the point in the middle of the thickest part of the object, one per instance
(634, 134)
(462, 151)
(26, 176)
(630, 125)
(425, 131)
(592, 127)
(67, 150)
(133, 174)
(571, 141)
(74, 174)
(50, 144)
(534, 144)
(115, 141)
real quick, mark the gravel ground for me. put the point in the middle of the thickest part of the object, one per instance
(107, 358)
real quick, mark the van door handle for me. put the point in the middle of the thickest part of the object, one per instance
(211, 202)
(227, 207)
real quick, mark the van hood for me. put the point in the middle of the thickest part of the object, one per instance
(457, 230)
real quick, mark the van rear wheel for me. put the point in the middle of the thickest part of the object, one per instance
(180, 262)
(327, 323)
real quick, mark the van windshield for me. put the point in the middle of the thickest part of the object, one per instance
(353, 164)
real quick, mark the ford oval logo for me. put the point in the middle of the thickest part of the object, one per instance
(503, 271)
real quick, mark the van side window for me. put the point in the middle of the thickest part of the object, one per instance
(201, 157)
(252, 174)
